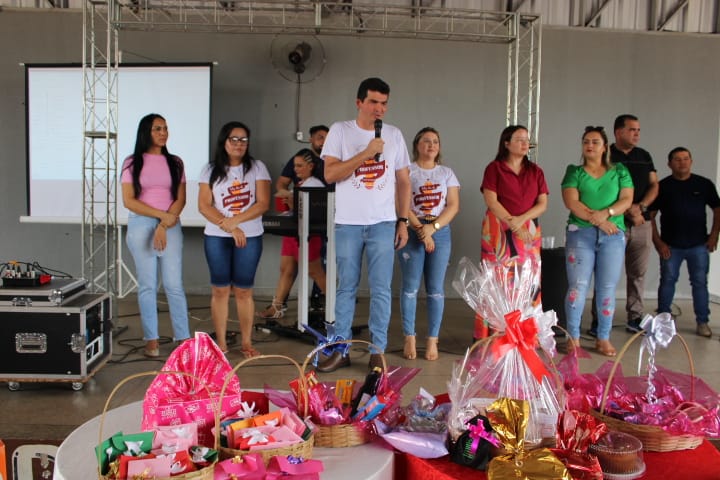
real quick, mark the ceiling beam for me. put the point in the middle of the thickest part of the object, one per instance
(678, 8)
(597, 13)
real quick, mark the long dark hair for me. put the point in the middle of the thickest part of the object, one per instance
(221, 160)
(143, 142)
(505, 136)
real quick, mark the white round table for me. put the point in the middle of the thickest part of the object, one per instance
(75, 458)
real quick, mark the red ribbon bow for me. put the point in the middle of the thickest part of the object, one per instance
(523, 336)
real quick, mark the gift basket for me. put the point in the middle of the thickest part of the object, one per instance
(515, 362)
(257, 437)
(347, 433)
(664, 417)
(146, 455)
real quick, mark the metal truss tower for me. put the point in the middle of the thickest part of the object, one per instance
(100, 120)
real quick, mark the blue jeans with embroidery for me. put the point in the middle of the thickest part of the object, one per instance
(139, 239)
(590, 251)
(698, 265)
(416, 262)
(377, 242)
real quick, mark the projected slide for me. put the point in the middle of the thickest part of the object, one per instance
(180, 93)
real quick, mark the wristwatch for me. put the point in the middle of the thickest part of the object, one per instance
(436, 226)
(611, 212)
(403, 220)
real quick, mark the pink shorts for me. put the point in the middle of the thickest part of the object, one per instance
(290, 247)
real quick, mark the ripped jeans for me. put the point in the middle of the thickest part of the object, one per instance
(588, 250)
(414, 262)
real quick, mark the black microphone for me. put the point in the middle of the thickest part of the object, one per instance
(378, 129)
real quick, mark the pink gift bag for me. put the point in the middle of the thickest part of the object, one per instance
(174, 399)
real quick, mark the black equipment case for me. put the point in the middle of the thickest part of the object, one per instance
(54, 293)
(65, 343)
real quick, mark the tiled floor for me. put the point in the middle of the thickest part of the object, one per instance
(53, 410)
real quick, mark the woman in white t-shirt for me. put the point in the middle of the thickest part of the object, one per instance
(434, 203)
(153, 190)
(234, 194)
(304, 164)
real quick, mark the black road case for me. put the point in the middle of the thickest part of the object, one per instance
(66, 343)
(54, 293)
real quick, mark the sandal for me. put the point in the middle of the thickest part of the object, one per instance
(409, 349)
(249, 352)
(571, 345)
(274, 310)
(431, 350)
(604, 347)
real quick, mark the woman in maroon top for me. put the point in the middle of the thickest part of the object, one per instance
(515, 193)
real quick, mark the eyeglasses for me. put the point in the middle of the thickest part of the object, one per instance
(590, 128)
(238, 139)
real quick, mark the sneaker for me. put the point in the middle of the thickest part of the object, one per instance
(592, 331)
(703, 330)
(633, 326)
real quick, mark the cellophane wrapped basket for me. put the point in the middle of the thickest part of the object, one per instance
(659, 331)
(515, 362)
(303, 449)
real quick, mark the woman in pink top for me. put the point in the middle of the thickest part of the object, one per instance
(515, 193)
(153, 189)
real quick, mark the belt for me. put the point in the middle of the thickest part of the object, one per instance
(428, 219)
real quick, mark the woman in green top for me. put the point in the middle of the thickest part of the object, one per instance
(597, 193)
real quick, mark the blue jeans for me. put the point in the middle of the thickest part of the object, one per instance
(378, 243)
(414, 262)
(230, 265)
(140, 232)
(587, 251)
(698, 265)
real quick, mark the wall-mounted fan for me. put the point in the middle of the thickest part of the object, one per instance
(297, 58)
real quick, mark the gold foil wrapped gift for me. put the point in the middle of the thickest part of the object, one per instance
(509, 419)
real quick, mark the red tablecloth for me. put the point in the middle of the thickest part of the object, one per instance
(703, 463)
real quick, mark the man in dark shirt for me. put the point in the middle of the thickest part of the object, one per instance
(683, 234)
(638, 233)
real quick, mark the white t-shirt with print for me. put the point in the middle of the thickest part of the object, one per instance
(429, 189)
(367, 196)
(235, 194)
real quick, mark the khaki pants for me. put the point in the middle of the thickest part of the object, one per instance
(638, 243)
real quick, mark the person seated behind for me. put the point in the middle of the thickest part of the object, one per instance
(305, 165)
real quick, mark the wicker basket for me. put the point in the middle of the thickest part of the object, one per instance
(653, 438)
(303, 449)
(206, 473)
(347, 434)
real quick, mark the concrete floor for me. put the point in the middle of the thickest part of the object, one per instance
(52, 410)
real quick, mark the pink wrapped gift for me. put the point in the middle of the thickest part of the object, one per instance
(149, 468)
(175, 399)
(293, 467)
(174, 438)
(247, 467)
(282, 437)
(292, 421)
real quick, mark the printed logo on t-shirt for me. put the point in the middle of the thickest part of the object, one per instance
(369, 173)
(428, 198)
(237, 198)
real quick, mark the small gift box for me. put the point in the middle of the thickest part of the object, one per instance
(268, 420)
(246, 467)
(149, 468)
(293, 467)
(180, 463)
(281, 437)
(249, 437)
(509, 419)
(175, 438)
